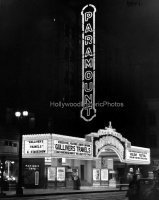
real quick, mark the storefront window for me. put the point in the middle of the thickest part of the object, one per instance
(9, 174)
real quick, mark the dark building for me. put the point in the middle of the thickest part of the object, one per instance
(41, 65)
(41, 68)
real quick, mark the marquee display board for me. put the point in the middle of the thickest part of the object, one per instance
(72, 148)
(138, 154)
(57, 146)
(35, 146)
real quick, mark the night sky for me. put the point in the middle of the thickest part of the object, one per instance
(127, 48)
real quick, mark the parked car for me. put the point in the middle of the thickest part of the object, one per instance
(149, 189)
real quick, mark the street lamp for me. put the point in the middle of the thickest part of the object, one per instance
(20, 115)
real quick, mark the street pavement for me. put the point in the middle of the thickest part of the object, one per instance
(85, 196)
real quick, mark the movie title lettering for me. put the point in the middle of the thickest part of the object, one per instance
(76, 148)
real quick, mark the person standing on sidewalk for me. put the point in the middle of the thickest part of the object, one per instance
(134, 189)
(76, 183)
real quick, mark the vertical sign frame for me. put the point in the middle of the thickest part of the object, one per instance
(88, 111)
(36, 177)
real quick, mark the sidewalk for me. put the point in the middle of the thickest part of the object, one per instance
(63, 191)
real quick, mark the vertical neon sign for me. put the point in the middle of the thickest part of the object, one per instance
(88, 111)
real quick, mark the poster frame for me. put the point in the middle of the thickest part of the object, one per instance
(64, 174)
(107, 174)
(48, 177)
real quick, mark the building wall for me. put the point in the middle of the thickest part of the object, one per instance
(152, 129)
(47, 64)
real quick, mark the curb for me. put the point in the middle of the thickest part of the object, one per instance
(64, 193)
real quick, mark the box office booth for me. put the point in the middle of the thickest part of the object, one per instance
(104, 158)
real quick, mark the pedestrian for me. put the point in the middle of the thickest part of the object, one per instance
(76, 183)
(134, 189)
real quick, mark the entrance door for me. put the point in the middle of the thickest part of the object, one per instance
(82, 172)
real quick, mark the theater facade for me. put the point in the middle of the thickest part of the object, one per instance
(103, 158)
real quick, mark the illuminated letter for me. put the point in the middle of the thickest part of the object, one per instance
(88, 52)
(88, 39)
(88, 99)
(88, 15)
(86, 89)
(88, 75)
(88, 28)
(89, 63)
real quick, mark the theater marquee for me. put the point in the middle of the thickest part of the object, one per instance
(72, 148)
(35, 146)
(138, 154)
(56, 146)
(90, 148)
(110, 142)
(109, 139)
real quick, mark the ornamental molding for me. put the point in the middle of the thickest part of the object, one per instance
(111, 131)
(111, 142)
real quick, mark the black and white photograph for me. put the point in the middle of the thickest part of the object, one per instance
(79, 99)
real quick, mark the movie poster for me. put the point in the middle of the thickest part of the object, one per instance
(60, 173)
(96, 174)
(51, 173)
(104, 174)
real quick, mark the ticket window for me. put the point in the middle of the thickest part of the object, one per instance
(112, 175)
(69, 174)
(71, 171)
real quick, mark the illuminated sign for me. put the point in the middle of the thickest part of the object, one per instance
(88, 111)
(35, 146)
(32, 167)
(109, 141)
(72, 148)
(138, 154)
(36, 178)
